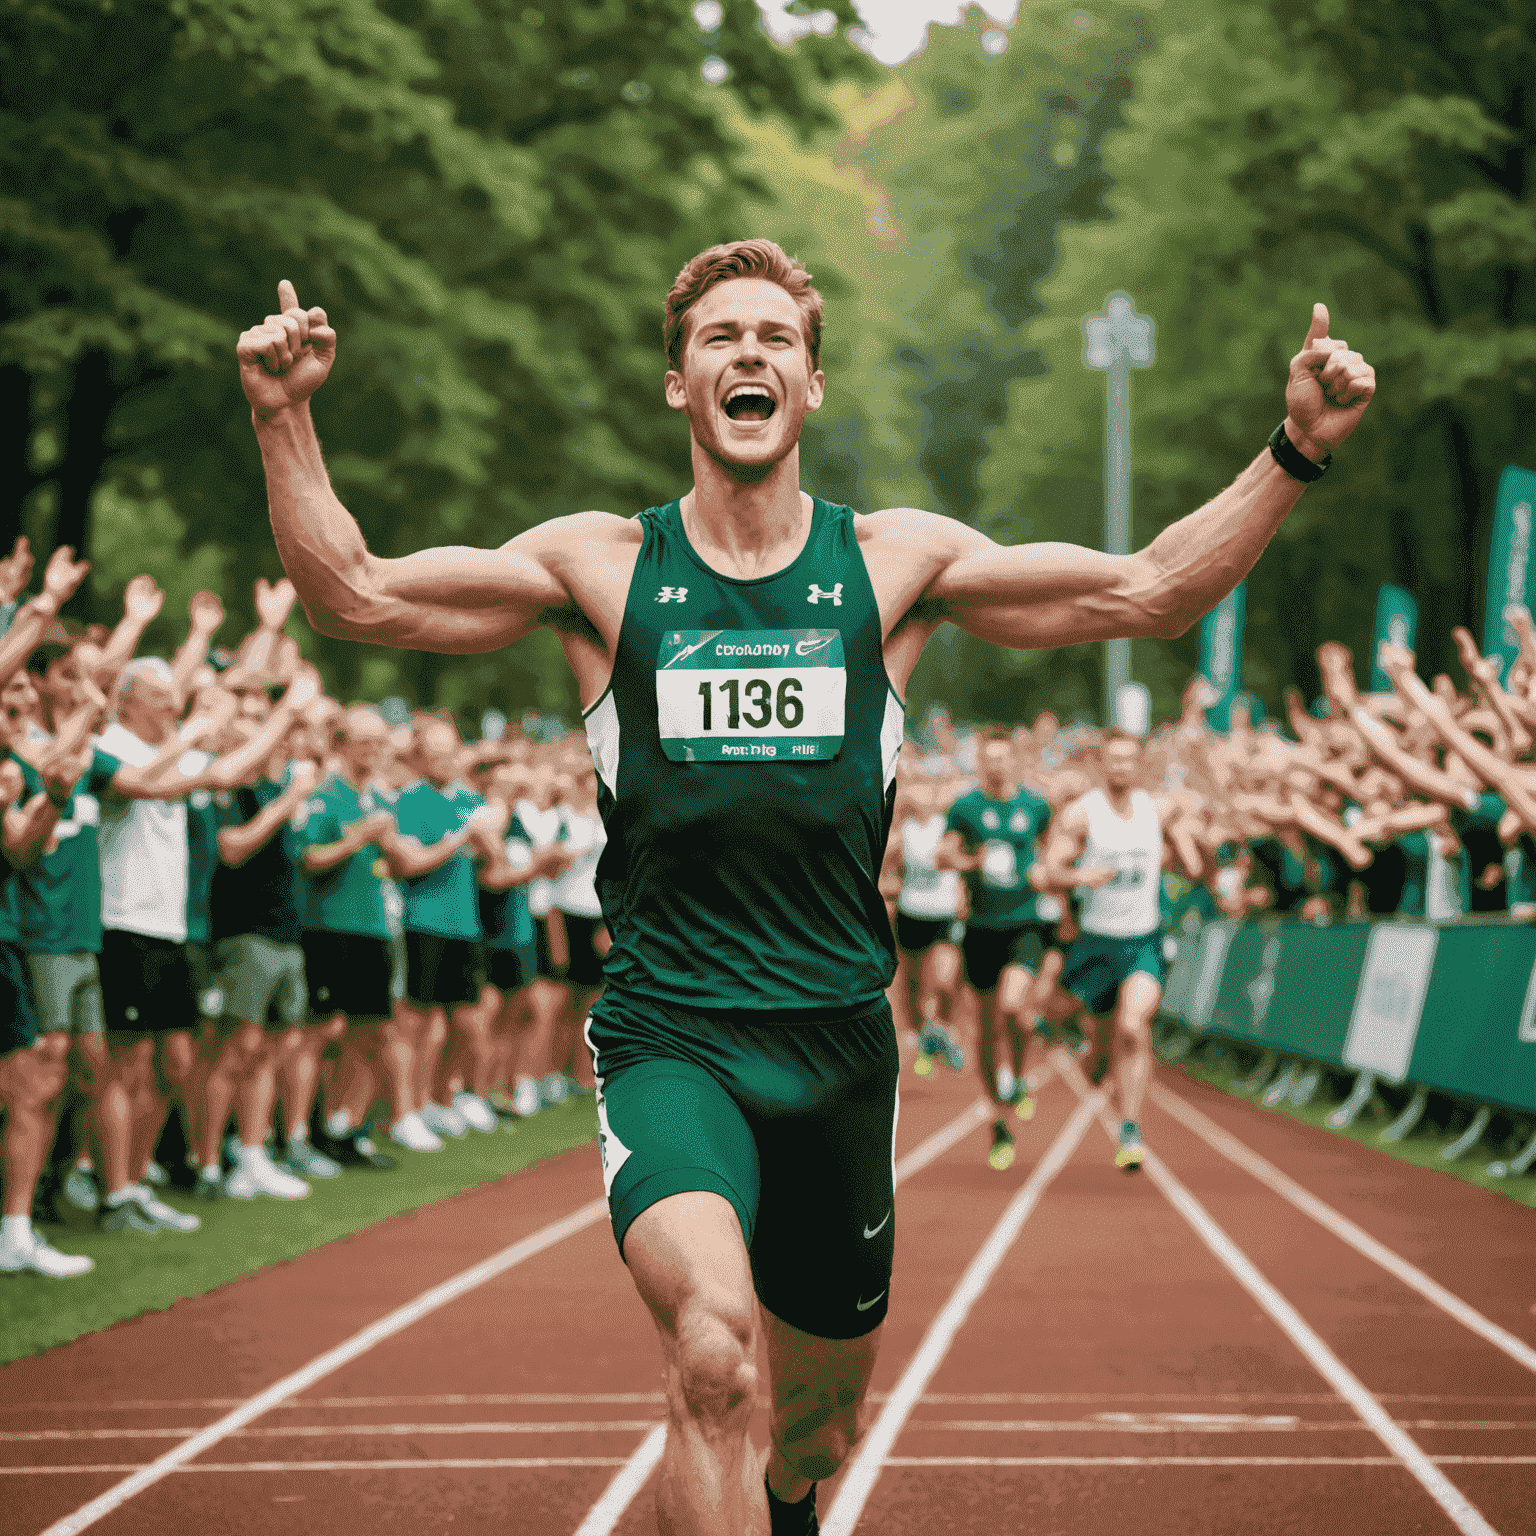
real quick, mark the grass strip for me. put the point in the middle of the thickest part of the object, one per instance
(1422, 1149)
(135, 1274)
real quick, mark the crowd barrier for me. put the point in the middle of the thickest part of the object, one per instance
(1448, 1008)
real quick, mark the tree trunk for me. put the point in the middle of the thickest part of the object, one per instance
(17, 482)
(85, 454)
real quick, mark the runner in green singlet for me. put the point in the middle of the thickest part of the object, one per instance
(741, 654)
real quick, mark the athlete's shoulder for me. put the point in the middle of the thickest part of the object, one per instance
(574, 530)
(918, 535)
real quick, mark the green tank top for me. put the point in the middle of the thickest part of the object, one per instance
(746, 752)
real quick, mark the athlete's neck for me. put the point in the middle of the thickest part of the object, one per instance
(1003, 791)
(1120, 801)
(746, 527)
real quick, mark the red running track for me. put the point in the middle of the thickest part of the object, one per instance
(1108, 1371)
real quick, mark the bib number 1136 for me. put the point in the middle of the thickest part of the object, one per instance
(745, 695)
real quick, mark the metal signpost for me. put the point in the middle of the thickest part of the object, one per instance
(1117, 341)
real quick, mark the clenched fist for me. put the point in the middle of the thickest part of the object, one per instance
(286, 358)
(1328, 389)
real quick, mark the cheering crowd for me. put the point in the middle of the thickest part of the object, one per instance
(233, 900)
(230, 898)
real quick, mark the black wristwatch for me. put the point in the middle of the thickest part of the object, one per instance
(1293, 461)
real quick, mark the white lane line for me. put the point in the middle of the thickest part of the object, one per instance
(1301, 1333)
(1199, 1461)
(1235, 1151)
(620, 1493)
(540, 1463)
(864, 1470)
(306, 1376)
(607, 1512)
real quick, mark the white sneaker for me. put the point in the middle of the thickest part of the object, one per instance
(444, 1121)
(472, 1108)
(525, 1097)
(411, 1131)
(167, 1215)
(259, 1175)
(554, 1088)
(1005, 1084)
(16, 1259)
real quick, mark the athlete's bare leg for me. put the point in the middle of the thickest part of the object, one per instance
(31, 1080)
(1132, 1052)
(939, 980)
(818, 1388)
(690, 1265)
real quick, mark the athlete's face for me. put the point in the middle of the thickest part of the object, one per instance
(365, 745)
(746, 379)
(994, 765)
(1122, 764)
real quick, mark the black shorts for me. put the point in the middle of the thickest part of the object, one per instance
(915, 934)
(988, 951)
(147, 985)
(441, 972)
(543, 959)
(347, 973)
(586, 967)
(793, 1123)
(18, 1012)
(510, 970)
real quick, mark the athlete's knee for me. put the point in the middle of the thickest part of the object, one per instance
(714, 1359)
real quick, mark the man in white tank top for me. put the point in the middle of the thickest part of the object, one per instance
(1108, 845)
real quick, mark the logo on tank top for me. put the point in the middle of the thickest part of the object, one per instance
(990, 820)
(836, 595)
(672, 595)
(1019, 821)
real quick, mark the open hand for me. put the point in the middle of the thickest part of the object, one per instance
(16, 570)
(274, 602)
(207, 612)
(63, 573)
(286, 358)
(1328, 390)
(1338, 674)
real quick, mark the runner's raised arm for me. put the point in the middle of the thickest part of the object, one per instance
(452, 599)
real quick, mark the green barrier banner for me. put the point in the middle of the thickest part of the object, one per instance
(1221, 652)
(1478, 1035)
(1452, 1007)
(1509, 561)
(1397, 623)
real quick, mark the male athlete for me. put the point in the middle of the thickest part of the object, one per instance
(1108, 845)
(741, 654)
(991, 839)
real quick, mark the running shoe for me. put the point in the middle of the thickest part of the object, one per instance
(354, 1150)
(525, 1097)
(302, 1159)
(442, 1121)
(411, 1131)
(257, 1175)
(128, 1215)
(80, 1189)
(1001, 1155)
(474, 1111)
(1023, 1101)
(554, 1089)
(168, 1216)
(949, 1048)
(210, 1184)
(41, 1258)
(1130, 1153)
(1006, 1084)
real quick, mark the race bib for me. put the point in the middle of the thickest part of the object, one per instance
(738, 695)
(999, 864)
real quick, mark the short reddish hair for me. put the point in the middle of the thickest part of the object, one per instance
(741, 258)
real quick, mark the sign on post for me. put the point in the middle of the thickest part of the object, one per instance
(1509, 562)
(1115, 342)
(1397, 622)
(1221, 653)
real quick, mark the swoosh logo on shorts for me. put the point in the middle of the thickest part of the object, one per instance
(872, 1231)
(864, 1306)
(805, 647)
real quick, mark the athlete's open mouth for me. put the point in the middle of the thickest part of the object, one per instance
(749, 402)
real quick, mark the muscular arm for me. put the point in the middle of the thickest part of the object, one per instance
(951, 854)
(1055, 871)
(237, 844)
(1037, 595)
